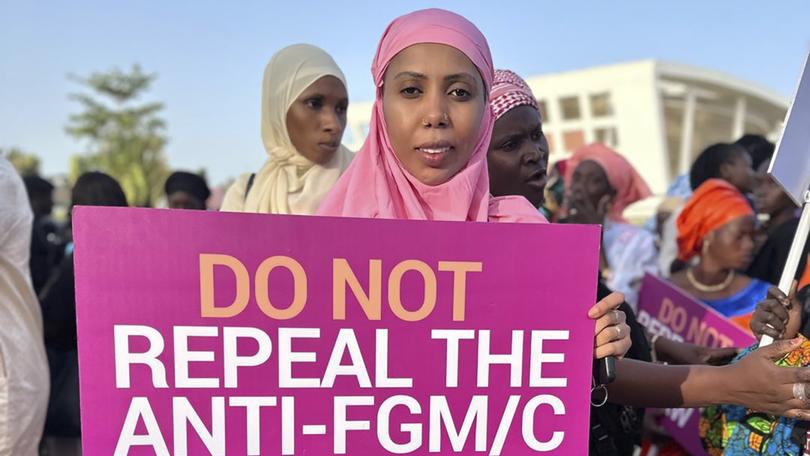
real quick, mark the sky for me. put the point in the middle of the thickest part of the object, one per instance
(209, 56)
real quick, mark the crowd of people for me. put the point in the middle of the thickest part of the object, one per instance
(452, 138)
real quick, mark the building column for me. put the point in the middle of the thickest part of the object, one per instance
(687, 131)
(740, 111)
(585, 117)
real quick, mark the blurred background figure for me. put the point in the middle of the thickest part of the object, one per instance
(730, 162)
(186, 190)
(759, 148)
(780, 220)
(58, 299)
(666, 233)
(601, 184)
(554, 193)
(46, 241)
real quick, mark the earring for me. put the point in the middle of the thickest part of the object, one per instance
(705, 247)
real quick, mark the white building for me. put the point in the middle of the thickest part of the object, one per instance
(660, 115)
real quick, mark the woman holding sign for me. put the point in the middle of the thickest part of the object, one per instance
(304, 104)
(517, 160)
(778, 316)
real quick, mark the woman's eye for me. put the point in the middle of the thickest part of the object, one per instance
(410, 91)
(314, 104)
(340, 109)
(509, 146)
(460, 93)
(536, 135)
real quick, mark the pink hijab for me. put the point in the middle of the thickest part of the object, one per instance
(622, 176)
(377, 186)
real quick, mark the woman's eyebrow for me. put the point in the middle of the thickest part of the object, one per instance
(449, 77)
(511, 136)
(410, 74)
(460, 76)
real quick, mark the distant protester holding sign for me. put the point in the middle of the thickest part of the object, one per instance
(303, 106)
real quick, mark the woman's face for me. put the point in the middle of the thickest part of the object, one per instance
(433, 102)
(739, 172)
(732, 245)
(317, 118)
(518, 155)
(184, 200)
(589, 182)
(769, 198)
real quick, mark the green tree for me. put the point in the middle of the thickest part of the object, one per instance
(27, 164)
(125, 137)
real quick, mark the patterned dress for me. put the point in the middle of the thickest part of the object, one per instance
(737, 431)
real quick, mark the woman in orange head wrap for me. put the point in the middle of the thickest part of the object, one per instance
(717, 226)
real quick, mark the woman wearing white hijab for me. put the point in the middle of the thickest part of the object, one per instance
(24, 377)
(304, 105)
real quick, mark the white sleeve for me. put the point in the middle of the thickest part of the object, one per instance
(630, 258)
(15, 213)
(669, 244)
(234, 199)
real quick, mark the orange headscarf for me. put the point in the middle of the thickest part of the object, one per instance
(712, 205)
(622, 176)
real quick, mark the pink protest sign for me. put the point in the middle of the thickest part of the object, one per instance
(201, 333)
(666, 310)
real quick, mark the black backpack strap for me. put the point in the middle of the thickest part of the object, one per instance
(249, 184)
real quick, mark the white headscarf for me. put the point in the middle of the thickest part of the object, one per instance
(23, 364)
(288, 183)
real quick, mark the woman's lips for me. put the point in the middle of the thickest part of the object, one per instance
(538, 178)
(435, 155)
(329, 146)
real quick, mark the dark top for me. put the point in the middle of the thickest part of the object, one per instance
(771, 258)
(45, 252)
(58, 300)
(616, 429)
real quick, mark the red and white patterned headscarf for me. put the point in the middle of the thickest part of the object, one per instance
(509, 91)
